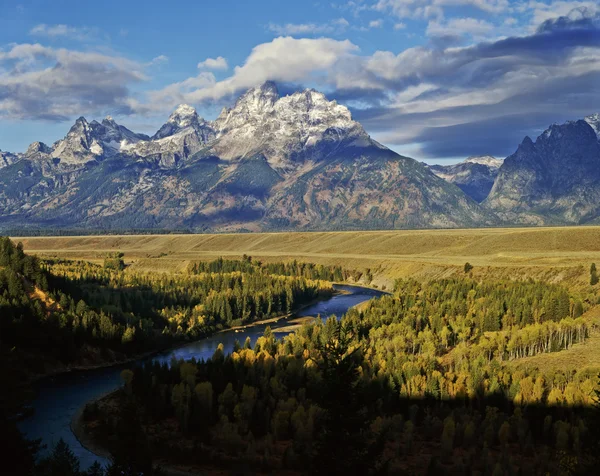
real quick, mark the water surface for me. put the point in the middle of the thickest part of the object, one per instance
(59, 398)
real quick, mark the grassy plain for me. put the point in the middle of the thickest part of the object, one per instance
(554, 254)
(558, 254)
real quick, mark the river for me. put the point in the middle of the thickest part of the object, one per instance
(58, 398)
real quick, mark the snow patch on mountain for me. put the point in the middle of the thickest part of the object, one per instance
(487, 160)
(594, 121)
(283, 128)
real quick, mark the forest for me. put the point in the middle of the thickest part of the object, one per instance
(58, 314)
(64, 311)
(418, 382)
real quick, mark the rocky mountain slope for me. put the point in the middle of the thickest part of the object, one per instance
(475, 176)
(554, 180)
(268, 162)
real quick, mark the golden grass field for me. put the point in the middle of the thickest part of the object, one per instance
(553, 254)
(556, 254)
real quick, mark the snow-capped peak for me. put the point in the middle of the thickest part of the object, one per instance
(110, 122)
(283, 129)
(488, 160)
(182, 118)
(594, 121)
(286, 130)
(267, 91)
(182, 113)
(257, 100)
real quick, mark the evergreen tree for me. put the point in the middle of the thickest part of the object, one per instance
(593, 275)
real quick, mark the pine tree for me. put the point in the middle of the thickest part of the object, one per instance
(593, 275)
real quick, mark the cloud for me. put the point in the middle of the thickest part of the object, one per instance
(406, 98)
(488, 6)
(39, 82)
(161, 59)
(541, 11)
(332, 27)
(434, 9)
(440, 99)
(399, 26)
(457, 28)
(376, 24)
(66, 31)
(416, 9)
(486, 97)
(578, 18)
(284, 59)
(218, 63)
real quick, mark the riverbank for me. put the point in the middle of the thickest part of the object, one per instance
(61, 369)
(61, 400)
(295, 324)
(85, 439)
(78, 428)
(276, 319)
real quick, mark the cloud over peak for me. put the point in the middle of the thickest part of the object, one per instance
(218, 63)
(510, 66)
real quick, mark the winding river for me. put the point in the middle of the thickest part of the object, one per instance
(59, 398)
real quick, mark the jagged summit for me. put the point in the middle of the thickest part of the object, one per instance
(38, 147)
(555, 179)
(487, 160)
(93, 141)
(108, 121)
(182, 118)
(259, 98)
(184, 115)
(594, 121)
(284, 129)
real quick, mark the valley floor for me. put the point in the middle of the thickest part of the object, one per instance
(554, 254)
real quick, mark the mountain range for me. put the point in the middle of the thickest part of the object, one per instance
(295, 162)
(475, 176)
(554, 180)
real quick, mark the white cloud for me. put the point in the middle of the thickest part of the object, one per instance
(40, 82)
(376, 24)
(547, 11)
(284, 59)
(67, 31)
(334, 26)
(433, 9)
(460, 27)
(161, 59)
(218, 63)
(408, 93)
(488, 6)
(416, 9)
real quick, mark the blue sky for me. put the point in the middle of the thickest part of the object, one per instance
(437, 80)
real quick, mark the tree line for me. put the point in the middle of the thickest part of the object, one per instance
(410, 383)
